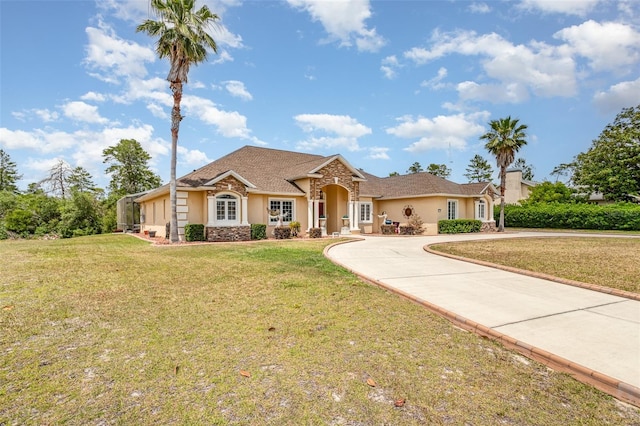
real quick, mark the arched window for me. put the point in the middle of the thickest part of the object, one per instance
(227, 210)
(481, 210)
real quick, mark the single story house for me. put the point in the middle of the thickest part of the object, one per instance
(260, 185)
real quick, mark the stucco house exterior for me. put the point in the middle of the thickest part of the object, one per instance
(252, 183)
(516, 188)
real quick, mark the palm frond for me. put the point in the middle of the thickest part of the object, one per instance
(182, 34)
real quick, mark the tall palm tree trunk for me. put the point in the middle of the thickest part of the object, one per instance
(176, 88)
(503, 182)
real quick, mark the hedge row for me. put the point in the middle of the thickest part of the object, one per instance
(622, 216)
(258, 231)
(194, 232)
(459, 226)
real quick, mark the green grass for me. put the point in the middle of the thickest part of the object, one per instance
(110, 330)
(608, 262)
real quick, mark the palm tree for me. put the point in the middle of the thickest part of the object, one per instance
(504, 139)
(182, 37)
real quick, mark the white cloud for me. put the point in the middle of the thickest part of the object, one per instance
(86, 145)
(618, 96)
(495, 93)
(113, 57)
(19, 115)
(222, 57)
(128, 10)
(344, 21)
(43, 165)
(378, 153)
(230, 124)
(192, 157)
(154, 89)
(436, 83)
(46, 115)
(90, 144)
(81, 111)
(197, 85)
(479, 8)
(540, 68)
(389, 66)
(608, 46)
(224, 37)
(157, 111)
(343, 129)
(236, 88)
(441, 132)
(45, 141)
(572, 7)
(93, 96)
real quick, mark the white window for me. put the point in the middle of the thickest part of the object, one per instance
(365, 212)
(452, 209)
(481, 210)
(226, 209)
(285, 207)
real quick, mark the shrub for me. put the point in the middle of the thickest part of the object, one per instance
(459, 226)
(388, 229)
(295, 228)
(315, 233)
(622, 216)
(20, 221)
(415, 221)
(282, 232)
(407, 230)
(258, 231)
(194, 232)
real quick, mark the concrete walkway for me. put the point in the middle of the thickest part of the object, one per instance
(592, 335)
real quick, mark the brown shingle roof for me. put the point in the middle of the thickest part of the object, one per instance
(415, 184)
(268, 169)
(272, 171)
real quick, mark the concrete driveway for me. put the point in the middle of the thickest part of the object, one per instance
(589, 333)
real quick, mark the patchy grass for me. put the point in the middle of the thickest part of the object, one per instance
(608, 262)
(109, 330)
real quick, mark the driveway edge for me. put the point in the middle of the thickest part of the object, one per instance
(614, 387)
(566, 281)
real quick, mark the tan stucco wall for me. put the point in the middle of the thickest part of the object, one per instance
(514, 189)
(337, 201)
(156, 214)
(258, 208)
(258, 204)
(196, 203)
(426, 208)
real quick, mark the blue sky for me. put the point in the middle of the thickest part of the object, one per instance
(384, 83)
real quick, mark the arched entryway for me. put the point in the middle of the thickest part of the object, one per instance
(334, 205)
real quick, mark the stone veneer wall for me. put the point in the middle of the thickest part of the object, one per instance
(229, 184)
(228, 233)
(345, 178)
(488, 226)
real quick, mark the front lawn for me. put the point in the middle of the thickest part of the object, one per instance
(608, 262)
(110, 330)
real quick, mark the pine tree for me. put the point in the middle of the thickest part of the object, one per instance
(479, 170)
(8, 173)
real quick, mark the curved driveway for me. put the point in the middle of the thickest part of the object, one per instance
(597, 331)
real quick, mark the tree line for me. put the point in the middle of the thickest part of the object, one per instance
(67, 202)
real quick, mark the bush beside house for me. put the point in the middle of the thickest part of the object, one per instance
(621, 216)
(459, 226)
(194, 232)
